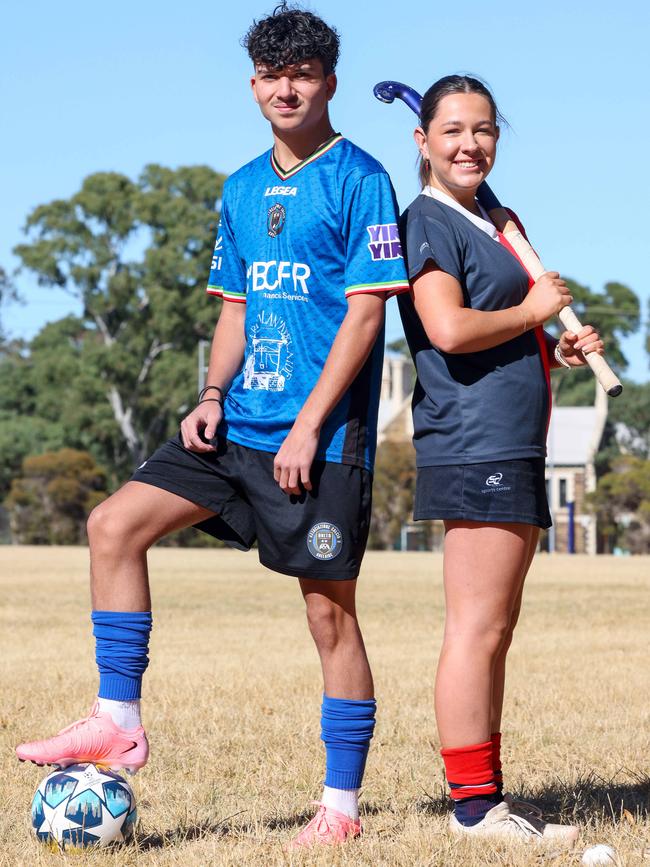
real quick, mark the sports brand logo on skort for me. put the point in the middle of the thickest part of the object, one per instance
(324, 541)
(495, 485)
(384, 242)
(275, 220)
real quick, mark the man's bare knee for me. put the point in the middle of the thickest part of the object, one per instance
(111, 528)
(330, 623)
(327, 622)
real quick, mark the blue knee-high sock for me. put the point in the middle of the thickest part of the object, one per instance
(121, 651)
(346, 729)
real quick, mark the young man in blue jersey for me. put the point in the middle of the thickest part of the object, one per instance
(281, 445)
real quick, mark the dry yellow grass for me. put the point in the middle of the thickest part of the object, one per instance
(232, 707)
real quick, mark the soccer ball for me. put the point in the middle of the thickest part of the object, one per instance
(83, 806)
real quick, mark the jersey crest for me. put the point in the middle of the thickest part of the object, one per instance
(275, 220)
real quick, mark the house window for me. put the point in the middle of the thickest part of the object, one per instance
(563, 493)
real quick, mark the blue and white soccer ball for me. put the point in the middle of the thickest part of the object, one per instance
(83, 806)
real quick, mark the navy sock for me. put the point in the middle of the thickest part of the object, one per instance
(346, 729)
(121, 651)
(470, 811)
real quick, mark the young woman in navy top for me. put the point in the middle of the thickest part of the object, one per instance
(480, 409)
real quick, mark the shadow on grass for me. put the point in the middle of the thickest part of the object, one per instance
(283, 823)
(590, 797)
(585, 799)
(190, 831)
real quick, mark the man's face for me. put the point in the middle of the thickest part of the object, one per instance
(294, 98)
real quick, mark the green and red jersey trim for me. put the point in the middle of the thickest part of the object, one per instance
(220, 292)
(323, 149)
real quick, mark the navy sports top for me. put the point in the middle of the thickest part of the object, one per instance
(476, 406)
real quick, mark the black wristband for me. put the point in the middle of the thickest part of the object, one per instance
(208, 387)
(211, 400)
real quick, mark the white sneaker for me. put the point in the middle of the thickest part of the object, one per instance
(516, 805)
(500, 822)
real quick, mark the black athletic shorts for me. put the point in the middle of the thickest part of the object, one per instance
(494, 492)
(319, 534)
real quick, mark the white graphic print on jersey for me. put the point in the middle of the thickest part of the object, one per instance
(269, 363)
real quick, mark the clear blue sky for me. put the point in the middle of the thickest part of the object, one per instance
(88, 87)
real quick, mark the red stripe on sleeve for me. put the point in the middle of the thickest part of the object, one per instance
(539, 330)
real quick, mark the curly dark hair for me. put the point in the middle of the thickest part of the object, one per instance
(291, 35)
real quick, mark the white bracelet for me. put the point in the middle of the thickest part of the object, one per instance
(559, 357)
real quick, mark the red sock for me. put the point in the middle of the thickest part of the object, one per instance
(496, 760)
(469, 771)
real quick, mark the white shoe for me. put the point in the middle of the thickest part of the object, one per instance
(500, 822)
(515, 805)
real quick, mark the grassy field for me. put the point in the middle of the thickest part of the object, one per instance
(232, 700)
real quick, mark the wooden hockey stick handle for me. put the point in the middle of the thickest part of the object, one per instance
(531, 262)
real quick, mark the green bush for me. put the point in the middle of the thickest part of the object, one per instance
(50, 501)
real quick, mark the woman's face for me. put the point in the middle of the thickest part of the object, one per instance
(460, 143)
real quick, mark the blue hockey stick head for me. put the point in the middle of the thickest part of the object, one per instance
(387, 91)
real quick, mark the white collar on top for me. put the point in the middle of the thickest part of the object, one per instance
(483, 223)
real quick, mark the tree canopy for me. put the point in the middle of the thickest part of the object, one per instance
(622, 503)
(137, 256)
(7, 293)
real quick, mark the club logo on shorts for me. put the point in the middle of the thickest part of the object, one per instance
(494, 480)
(324, 541)
(275, 220)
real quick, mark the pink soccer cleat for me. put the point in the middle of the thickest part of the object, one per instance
(94, 739)
(327, 828)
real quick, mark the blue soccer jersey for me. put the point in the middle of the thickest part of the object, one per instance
(293, 246)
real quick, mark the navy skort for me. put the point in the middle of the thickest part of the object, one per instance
(321, 533)
(494, 492)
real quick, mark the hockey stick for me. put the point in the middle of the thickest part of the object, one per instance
(387, 91)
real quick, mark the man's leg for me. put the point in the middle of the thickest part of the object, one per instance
(296, 537)
(348, 709)
(332, 619)
(120, 532)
